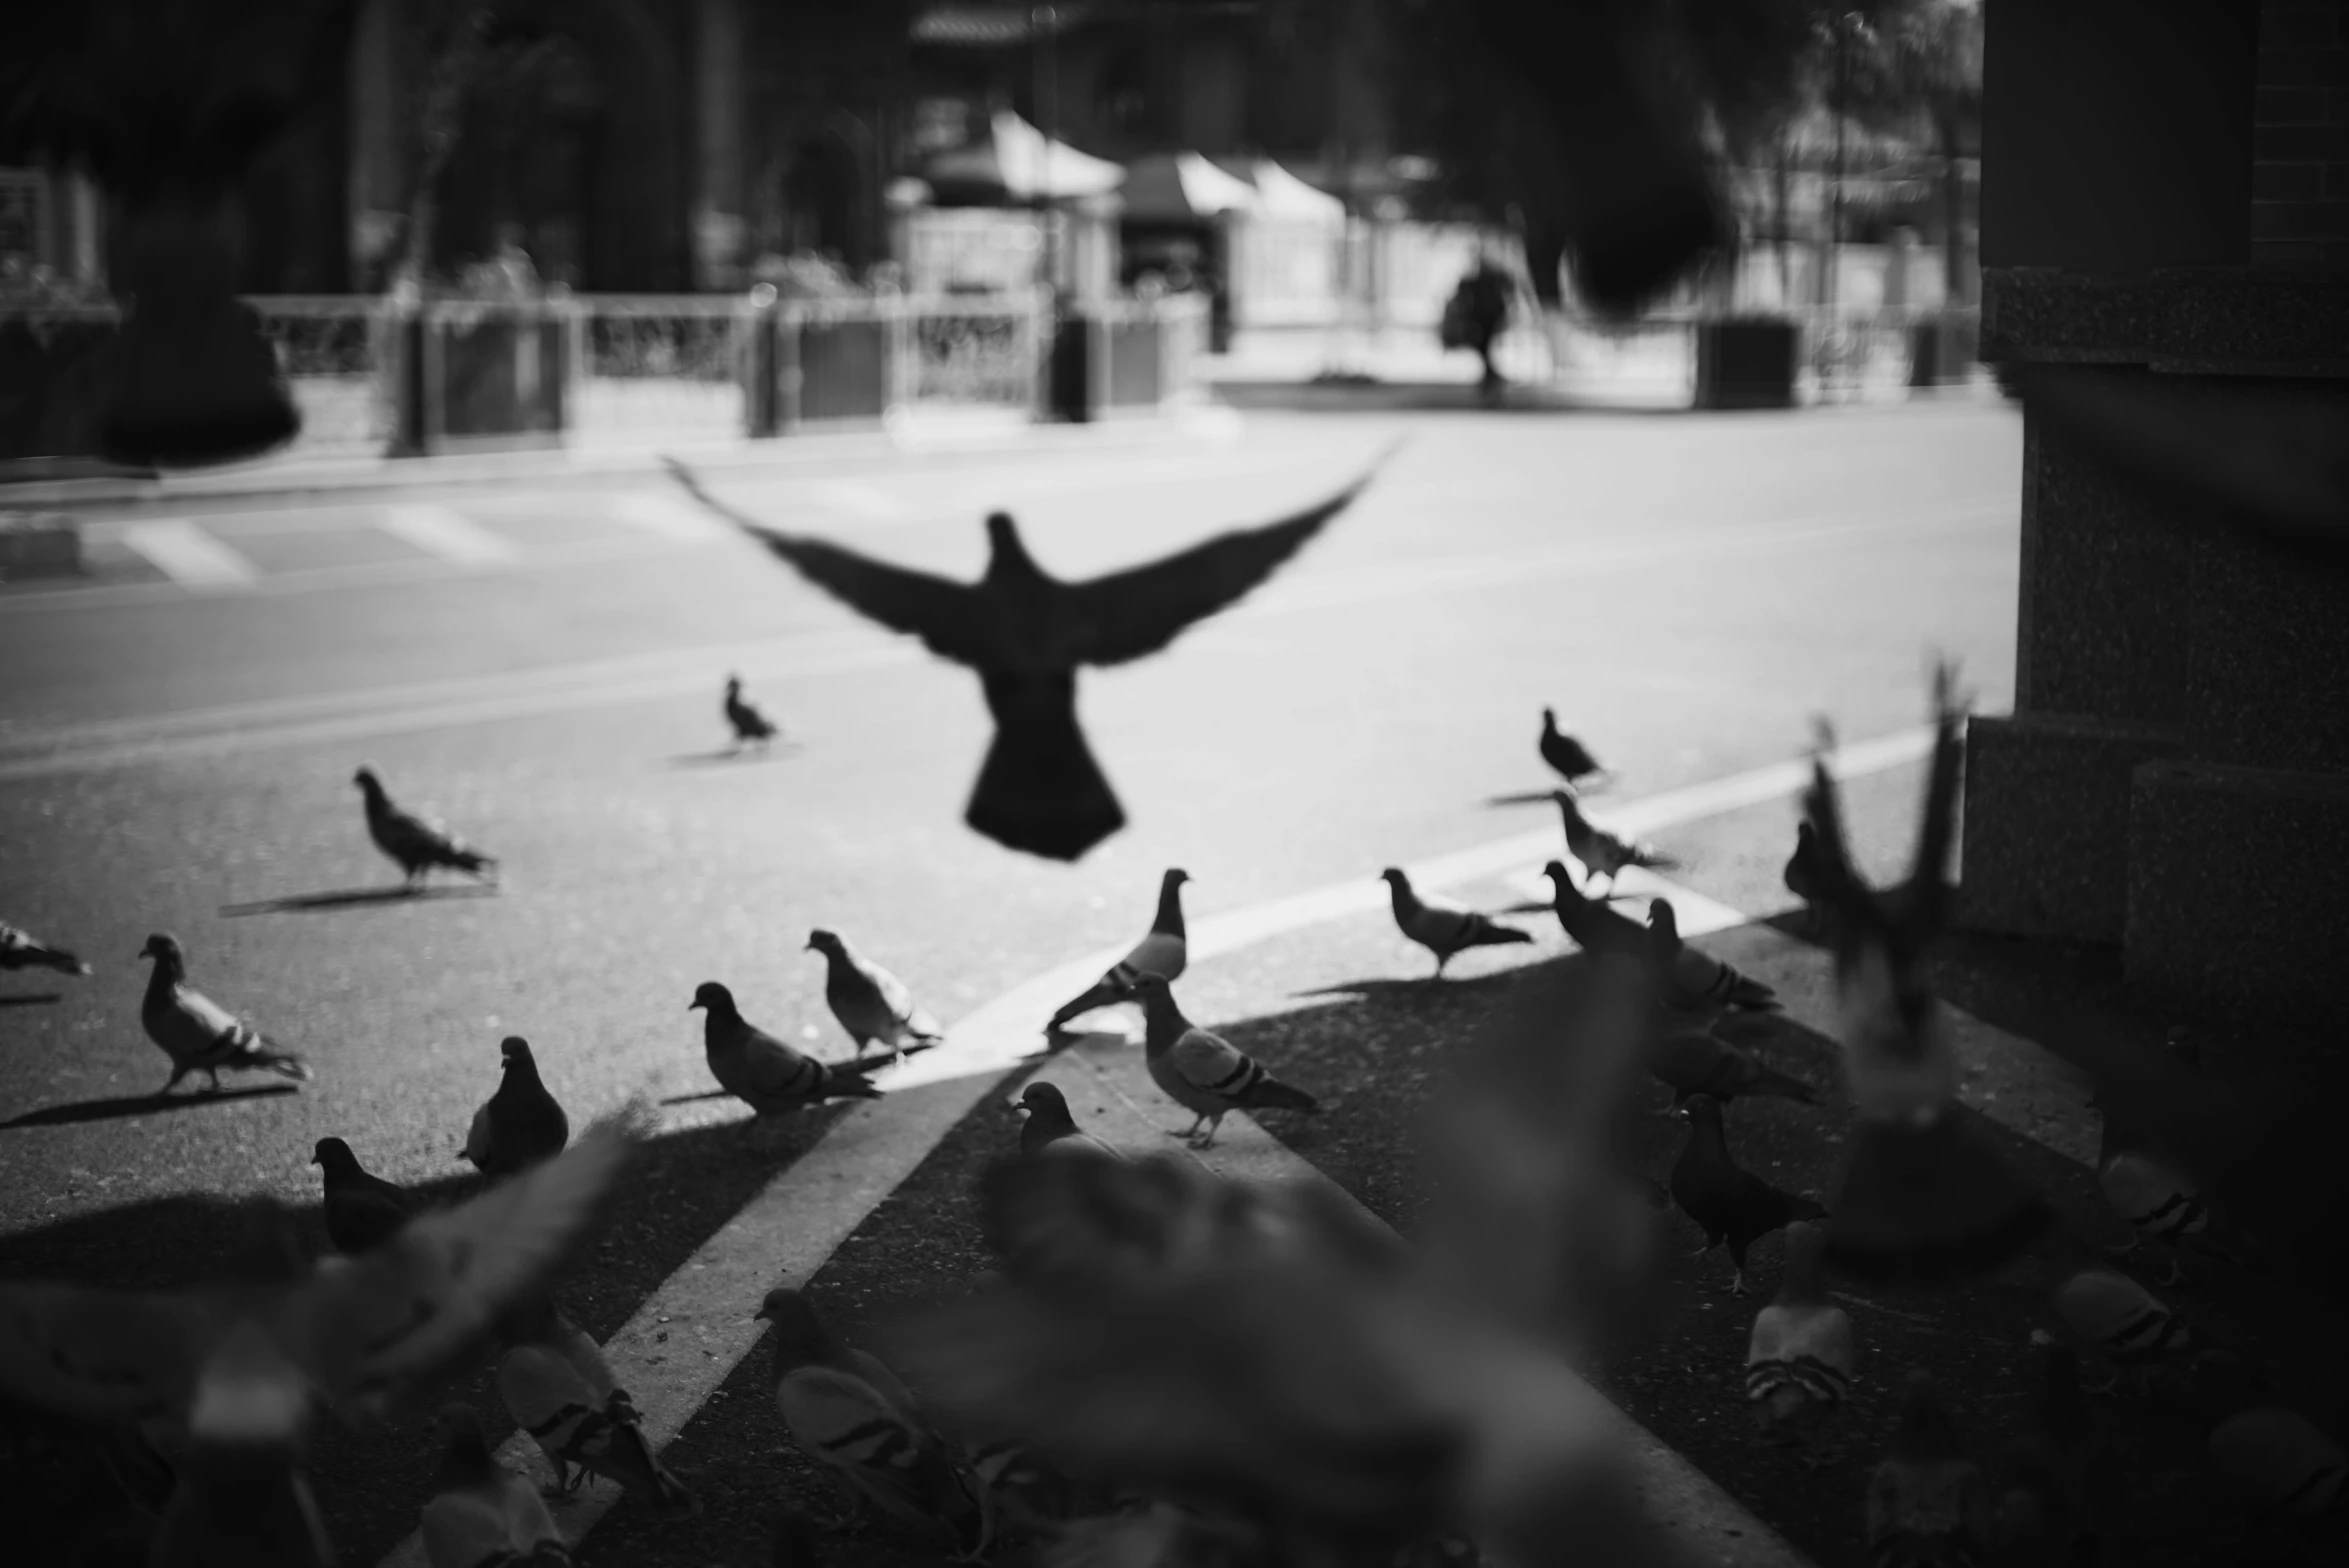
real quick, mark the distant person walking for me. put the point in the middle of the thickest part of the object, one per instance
(1477, 315)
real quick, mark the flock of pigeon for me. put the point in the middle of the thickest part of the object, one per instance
(1174, 1368)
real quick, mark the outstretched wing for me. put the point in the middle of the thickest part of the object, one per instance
(943, 614)
(2269, 461)
(1927, 896)
(1135, 613)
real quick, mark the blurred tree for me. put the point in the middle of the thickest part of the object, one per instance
(167, 105)
(1922, 76)
(463, 49)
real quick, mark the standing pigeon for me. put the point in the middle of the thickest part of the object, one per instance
(1027, 633)
(20, 949)
(1699, 980)
(1441, 926)
(1602, 853)
(416, 843)
(2160, 1201)
(850, 1413)
(1590, 923)
(750, 725)
(1806, 876)
(1205, 1073)
(480, 1513)
(1162, 951)
(197, 1033)
(1924, 1194)
(558, 1388)
(1563, 752)
(1730, 1203)
(2124, 1327)
(1798, 1361)
(1049, 1126)
(362, 1210)
(519, 1125)
(1927, 1502)
(870, 1002)
(764, 1073)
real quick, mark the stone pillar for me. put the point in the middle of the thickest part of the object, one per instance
(718, 229)
(2175, 776)
(378, 191)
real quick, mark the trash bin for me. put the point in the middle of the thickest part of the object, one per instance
(1747, 362)
(1073, 389)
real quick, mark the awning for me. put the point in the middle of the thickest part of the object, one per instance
(1177, 186)
(1281, 196)
(1017, 162)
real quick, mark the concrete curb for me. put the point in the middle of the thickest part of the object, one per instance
(848, 450)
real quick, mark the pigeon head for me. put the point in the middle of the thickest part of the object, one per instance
(1702, 1110)
(335, 1155)
(514, 1051)
(1043, 1098)
(1550, 720)
(800, 1336)
(1662, 918)
(1393, 877)
(1149, 985)
(825, 942)
(1175, 876)
(734, 683)
(367, 781)
(1556, 871)
(1566, 802)
(163, 945)
(713, 996)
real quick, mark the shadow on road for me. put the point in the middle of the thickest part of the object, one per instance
(726, 754)
(1415, 989)
(357, 898)
(690, 1099)
(32, 999)
(138, 1105)
(1543, 797)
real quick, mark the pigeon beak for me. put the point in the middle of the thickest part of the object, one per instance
(762, 1316)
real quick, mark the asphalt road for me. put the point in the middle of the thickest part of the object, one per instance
(1688, 591)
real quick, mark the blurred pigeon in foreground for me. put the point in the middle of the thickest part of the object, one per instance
(362, 1210)
(2058, 1487)
(480, 1512)
(1927, 1502)
(1602, 853)
(237, 1366)
(871, 1003)
(1924, 1195)
(521, 1124)
(1563, 752)
(2123, 1327)
(558, 1388)
(1162, 951)
(197, 1033)
(1799, 1358)
(417, 843)
(2294, 1478)
(19, 949)
(1692, 1062)
(2160, 1201)
(750, 725)
(1047, 1124)
(1730, 1203)
(1202, 1072)
(1274, 1360)
(2263, 458)
(764, 1073)
(1026, 633)
(1442, 927)
(1701, 982)
(1805, 876)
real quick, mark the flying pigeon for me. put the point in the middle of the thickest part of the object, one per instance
(197, 1033)
(1805, 876)
(362, 1210)
(850, 1413)
(1205, 1073)
(1441, 926)
(238, 1366)
(1701, 982)
(764, 1073)
(519, 1125)
(1563, 752)
(20, 949)
(1162, 951)
(1927, 1502)
(871, 1003)
(750, 725)
(1047, 1124)
(1799, 1358)
(558, 1388)
(1026, 634)
(1924, 1195)
(1730, 1203)
(480, 1512)
(1602, 853)
(416, 844)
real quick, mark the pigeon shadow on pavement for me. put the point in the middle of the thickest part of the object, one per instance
(32, 999)
(118, 1106)
(1543, 797)
(1417, 988)
(693, 1099)
(358, 898)
(726, 754)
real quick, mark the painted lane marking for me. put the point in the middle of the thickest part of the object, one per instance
(668, 516)
(446, 533)
(799, 1219)
(860, 500)
(189, 556)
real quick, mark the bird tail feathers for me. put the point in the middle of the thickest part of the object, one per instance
(1040, 791)
(1272, 1094)
(63, 962)
(1493, 934)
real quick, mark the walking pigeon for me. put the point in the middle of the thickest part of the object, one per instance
(197, 1033)
(20, 949)
(1602, 853)
(1441, 926)
(1026, 633)
(872, 1004)
(764, 1073)
(1162, 951)
(1048, 1124)
(519, 1125)
(362, 1210)
(750, 725)
(1205, 1073)
(416, 843)
(1730, 1203)
(1563, 752)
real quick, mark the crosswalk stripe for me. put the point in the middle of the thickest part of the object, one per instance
(667, 516)
(188, 555)
(864, 500)
(437, 530)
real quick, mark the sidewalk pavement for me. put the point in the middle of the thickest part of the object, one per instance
(68, 484)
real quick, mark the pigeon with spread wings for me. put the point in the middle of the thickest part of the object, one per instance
(1026, 632)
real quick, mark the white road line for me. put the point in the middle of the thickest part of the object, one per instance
(785, 1234)
(188, 555)
(449, 534)
(847, 495)
(668, 517)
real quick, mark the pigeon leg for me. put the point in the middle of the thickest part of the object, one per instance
(1191, 1131)
(1213, 1127)
(1441, 960)
(1737, 1282)
(171, 1082)
(212, 1084)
